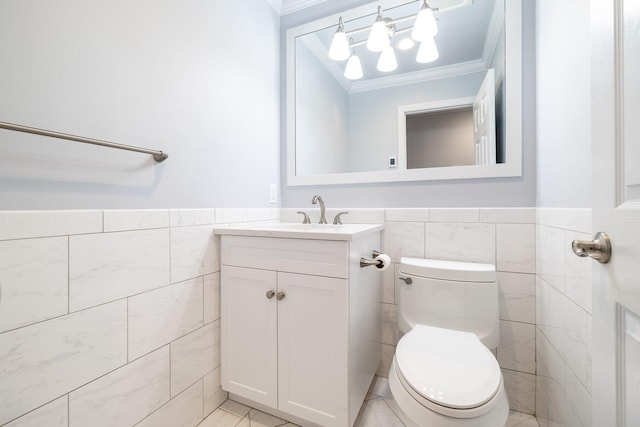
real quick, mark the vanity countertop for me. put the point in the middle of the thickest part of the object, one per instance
(290, 230)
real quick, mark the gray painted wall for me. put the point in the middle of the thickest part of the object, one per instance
(564, 103)
(373, 116)
(320, 100)
(519, 191)
(440, 139)
(161, 74)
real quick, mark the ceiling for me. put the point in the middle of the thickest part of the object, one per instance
(463, 32)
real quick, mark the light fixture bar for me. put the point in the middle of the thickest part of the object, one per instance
(360, 43)
(381, 33)
(389, 22)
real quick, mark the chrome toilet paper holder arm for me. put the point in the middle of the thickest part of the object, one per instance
(364, 262)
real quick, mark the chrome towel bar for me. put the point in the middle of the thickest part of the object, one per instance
(158, 156)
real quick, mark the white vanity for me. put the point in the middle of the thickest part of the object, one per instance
(300, 319)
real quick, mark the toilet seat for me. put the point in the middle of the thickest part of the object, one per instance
(448, 369)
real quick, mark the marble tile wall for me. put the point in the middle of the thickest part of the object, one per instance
(99, 307)
(563, 312)
(505, 237)
(111, 318)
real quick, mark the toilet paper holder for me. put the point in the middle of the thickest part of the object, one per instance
(364, 262)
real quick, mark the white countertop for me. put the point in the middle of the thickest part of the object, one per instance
(292, 230)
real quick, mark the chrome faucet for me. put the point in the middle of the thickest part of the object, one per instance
(317, 199)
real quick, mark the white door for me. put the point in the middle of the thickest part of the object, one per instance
(248, 334)
(616, 210)
(313, 333)
(484, 121)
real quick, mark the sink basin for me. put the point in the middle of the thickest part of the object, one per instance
(292, 230)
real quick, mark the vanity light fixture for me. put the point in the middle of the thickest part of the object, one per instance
(353, 71)
(428, 51)
(387, 61)
(383, 29)
(407, 43)
(379, 35)
(339, 50)
(425, 26)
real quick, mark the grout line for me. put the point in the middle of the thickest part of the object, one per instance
(128, 330)
(68, 274)
(170, 370)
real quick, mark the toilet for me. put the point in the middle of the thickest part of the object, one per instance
(443, 372)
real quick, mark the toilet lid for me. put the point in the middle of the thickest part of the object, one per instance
(448, 270)
(450, 368)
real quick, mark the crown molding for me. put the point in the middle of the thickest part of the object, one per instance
(290, 6)
(418, 76)
(276, 5)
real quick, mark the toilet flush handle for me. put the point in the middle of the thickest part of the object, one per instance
(407, 280)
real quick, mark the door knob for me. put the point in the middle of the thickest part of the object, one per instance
(599, 248)
(280, 296)
(270, 294)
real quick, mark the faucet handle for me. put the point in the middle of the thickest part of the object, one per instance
(337, 220)
(305, 219)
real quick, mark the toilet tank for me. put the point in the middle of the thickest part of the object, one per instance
(453, 295)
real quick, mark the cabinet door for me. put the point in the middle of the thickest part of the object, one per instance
(313, 327)
(248, 334)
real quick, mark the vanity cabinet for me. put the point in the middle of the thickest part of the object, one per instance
(299, 325)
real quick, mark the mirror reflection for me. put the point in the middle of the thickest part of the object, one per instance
(437, 101)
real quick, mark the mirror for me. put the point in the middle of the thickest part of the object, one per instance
(356, 131)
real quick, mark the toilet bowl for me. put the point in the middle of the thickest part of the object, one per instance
(443, 373)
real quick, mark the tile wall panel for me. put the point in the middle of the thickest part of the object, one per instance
(112, 269)
(186, 409)
(109, 266)
(404, 239)
(516, 248)
(211, 297)
(53, 414)
(125, 220)
(164, 315)
(42, 362)
(521, 390)
(563, 311)
(561, 308)
(30, 224)
(194, 356)
(457, 215)
(517, 349)
(187, 217)
(33, 281)
(470, 242)
(193, 252)
(124, 396)
(517, 297)
(213, 393)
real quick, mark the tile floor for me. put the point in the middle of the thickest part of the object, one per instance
(378, 411)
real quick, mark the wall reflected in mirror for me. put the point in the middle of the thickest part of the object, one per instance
(344, 126)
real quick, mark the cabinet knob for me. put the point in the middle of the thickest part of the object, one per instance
(270, 294)
(280, 296)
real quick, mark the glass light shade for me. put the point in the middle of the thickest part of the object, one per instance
(387, 61)
(428, 51)
(339, 50)
(379, 36)
(406, 43)
(425, 26)
(354, 68)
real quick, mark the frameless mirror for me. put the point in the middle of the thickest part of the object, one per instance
(455, 116)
